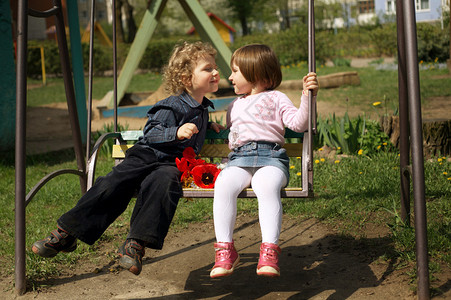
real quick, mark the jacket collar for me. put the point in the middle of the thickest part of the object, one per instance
(193, 103)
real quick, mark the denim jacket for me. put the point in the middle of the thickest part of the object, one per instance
(165, 117)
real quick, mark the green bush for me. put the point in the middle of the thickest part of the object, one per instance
(158, 51)
(384, 40)
(433, 43)
(102, 58)
(51, 58)
(291, 46)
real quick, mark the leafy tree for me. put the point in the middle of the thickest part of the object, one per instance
(242, 11)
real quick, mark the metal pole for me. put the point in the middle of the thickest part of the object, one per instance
(70, 93)
(417, 150)
(311, 68)
(20, 156)
(77, 66)
(404, 143)
(114, 65)
(90, 74)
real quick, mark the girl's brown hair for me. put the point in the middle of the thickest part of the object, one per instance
(258, 63)
(182, 63)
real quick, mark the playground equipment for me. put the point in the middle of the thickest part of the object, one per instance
(408, 97)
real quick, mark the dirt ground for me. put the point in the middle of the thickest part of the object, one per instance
(316, 261)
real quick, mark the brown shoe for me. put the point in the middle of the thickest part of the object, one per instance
(58, 241)
(131, 253)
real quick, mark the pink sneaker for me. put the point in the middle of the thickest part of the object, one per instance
(225, 260)
(269, 259)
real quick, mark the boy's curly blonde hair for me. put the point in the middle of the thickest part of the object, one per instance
(182, 63)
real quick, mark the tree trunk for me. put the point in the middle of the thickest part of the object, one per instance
(119, 28)
(437, 137)
(244, 25)
(131, 25)
(436, 134)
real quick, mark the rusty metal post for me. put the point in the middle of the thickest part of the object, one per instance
(20, 156)
(114, 67)
(404, 145)
(90, 75)
(70, 92)
(312, 108)
(413, 89)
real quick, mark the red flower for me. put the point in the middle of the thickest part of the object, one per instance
(205, 175)
(189, 153)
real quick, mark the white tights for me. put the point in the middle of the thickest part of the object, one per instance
(266, 183)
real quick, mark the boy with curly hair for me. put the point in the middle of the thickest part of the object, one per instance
(175, 123)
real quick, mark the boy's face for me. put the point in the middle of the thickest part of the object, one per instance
(205, 77)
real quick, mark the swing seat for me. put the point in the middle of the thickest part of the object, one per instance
(216, 150)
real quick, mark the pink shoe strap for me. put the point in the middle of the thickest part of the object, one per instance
(270, 246)
(224, 246)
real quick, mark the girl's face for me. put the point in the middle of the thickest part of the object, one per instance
(240, 84)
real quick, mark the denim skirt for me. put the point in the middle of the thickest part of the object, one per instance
(260, 154)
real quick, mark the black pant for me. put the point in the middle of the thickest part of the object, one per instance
(159, 193)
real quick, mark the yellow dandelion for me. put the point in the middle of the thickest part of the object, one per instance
(449, 178)
(291, 167)
(360, 152)
(436, 59)
(298, 157)
(385, 143)
(360, 173)
(337, 161)
(378, 147)
(377, 103)
(298, 173)
(439, 159)
(322, 160)
(445, 173)
(338, 148)
(316, 161)
(320, 149)
(421, 62)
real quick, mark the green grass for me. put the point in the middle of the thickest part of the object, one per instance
(376, 85)
(350, 195)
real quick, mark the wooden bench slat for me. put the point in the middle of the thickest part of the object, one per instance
(288, 192)
(119, 150)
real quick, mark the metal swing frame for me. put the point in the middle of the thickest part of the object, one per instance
(410, 122)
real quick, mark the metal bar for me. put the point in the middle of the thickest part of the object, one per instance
(404, 141)
(413, 88)
(311, 105)
(92, 161)
(77, 66)
(21, 103)
(43, 14)
(70, 93)
(114, 65)
(90, 74)
(46, 179)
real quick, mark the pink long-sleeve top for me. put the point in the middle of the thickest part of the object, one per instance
(263, 117)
